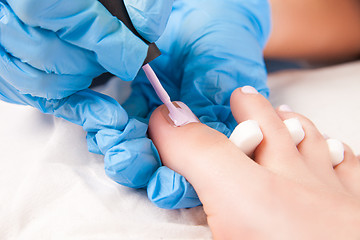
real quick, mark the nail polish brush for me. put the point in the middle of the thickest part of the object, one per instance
(180, 114)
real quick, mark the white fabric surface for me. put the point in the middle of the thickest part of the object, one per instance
(51, 187)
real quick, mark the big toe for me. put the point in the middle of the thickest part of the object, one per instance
(204, 156)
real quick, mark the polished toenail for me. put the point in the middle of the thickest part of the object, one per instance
(247, 136)
(336, 149)
(249, 90)
(179, 116)
(295, 129)
(285, 108)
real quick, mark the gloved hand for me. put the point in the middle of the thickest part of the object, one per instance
(49, 52)
(209, 48)
(130, 157)
(59, 46)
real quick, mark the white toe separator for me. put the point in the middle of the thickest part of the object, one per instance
(296, 130)
(247, 136)
(336, 149)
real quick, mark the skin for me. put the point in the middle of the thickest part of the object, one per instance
(284, 192)
(315, 30)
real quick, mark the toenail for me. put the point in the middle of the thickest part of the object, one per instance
(179, 116)
(249, 90)
(285, 108)
(295, 129)
(247, 136)
(336, 149)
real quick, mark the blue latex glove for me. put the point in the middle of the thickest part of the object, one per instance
(49, 52)
(209, 49)
(130, 157)
(59, 46)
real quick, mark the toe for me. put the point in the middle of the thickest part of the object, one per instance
(313, 148)
(348, 171)
(204, 156)
(277, 142)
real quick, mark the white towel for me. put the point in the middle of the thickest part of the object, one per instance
(51, 187)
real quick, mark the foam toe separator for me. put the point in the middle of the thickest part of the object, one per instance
(295, 128)
(247, 136)
(336, 149)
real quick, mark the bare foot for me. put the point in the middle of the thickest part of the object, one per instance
(285, 192)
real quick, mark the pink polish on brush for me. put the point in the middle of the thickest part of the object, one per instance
(180, 114)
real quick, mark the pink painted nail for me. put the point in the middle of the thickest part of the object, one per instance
(179, 115)
(249, 90)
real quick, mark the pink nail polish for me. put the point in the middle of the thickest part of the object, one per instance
(285, 108)
(249, 90)
(179, 115)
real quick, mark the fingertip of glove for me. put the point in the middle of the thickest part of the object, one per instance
(132, 163)
(169, 190)
(149, 17)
